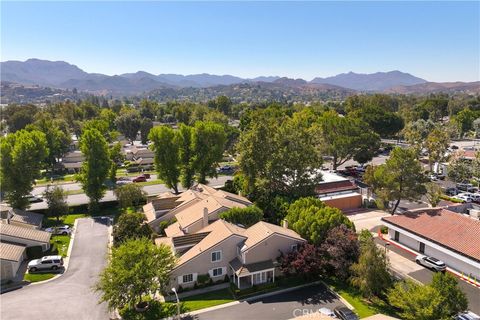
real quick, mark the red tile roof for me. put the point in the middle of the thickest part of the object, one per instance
(446, 228)
(335, 186)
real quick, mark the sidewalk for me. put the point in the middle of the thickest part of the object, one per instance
(195, 292)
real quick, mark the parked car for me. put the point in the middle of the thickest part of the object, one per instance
(451, 191)
(345, 314)
(433, 177)
(474, 196)
(431, 263)
(141, 178)
(63, 230)
(469, 315)
(33, 199)
(225, 169)
(47, 262)
(327, 312)
(466, 199)
(466, 187)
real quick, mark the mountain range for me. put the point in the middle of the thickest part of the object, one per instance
(63, 75)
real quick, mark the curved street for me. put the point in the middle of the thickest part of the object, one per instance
(70, 296)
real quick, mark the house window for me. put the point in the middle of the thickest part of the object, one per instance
(217, 272)
(188, 278)
(216, 256)
(294, 247)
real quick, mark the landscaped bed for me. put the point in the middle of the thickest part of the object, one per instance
(207, 300)
(36, 277)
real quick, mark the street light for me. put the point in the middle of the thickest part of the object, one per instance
(178, 302)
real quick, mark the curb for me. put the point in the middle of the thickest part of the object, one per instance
(345, 302)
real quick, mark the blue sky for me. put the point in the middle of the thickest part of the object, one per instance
(439, 41)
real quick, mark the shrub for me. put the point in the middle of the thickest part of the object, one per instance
(35, 252)
(384, 230)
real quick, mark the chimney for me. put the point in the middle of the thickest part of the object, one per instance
(205, 217)
(285, 223)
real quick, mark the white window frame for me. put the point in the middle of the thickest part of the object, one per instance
(215, 252)
(216, 269)
(186, 275)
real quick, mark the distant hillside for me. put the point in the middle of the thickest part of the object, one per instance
(436, 87)
(378, 81)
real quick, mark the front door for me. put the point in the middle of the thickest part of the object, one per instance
(422, 247)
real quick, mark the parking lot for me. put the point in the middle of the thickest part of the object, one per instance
(69, 296)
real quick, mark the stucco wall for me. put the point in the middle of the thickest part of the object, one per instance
(270, 248)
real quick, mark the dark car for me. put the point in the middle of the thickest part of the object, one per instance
(345, 314)
(225, 169)
(451, 191)
(140, 179)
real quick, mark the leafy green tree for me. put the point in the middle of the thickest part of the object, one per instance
(129, 124)
(440, 300)
(370, 274)
(145, 127)
(247, 216)
(384, 123)
(136, 269)
(312, 219)
(129, 195)
(57, 136)
(208, 145)
(279, 154)
(459, 170)
(131, 225)
(109, 117)
(102, 126)
(345, 138)
(434, 193)
(17, 117)
(187, 170)
(56, 199)
(116, 158)
(401, 177)
(96, 166)
(464, 120)
(167, 161)
(22, 154)
(416, 302)
(416, 133)
(437, 143)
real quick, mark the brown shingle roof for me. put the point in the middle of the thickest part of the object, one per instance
(446, 228)
(335, 186)
(24, 233)
(11, 252)
(27, 217)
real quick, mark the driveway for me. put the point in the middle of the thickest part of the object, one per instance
(69, 296)
(278, 307)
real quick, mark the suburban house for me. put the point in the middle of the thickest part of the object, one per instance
(11, 257)
(193, 209)
(27, 237)
(140, 156)
(222, 250)
(446, 235)
(72, 161)
(21, 218)
(338, 192)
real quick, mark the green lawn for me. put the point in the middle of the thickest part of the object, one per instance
(150, 183)
(65, 178)
(72, 192)
(362, 307)
(36, 277)
(59, 245)
(206, 300)
(68, 219)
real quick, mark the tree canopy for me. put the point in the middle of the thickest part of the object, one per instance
(129, 195)
(312, 219)
(247, 216)
(56, 199)
(131, 225)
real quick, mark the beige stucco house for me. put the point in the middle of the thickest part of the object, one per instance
(247, 256)
(192, 209)
(11, 257)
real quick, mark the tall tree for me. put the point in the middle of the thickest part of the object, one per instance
(434, 193)
(96, 166)
(129, 124)
(370, 274)
(345, 138)
(131, 225)
(145, 127)
(116, 158)
(305, 261)
(136, 269)
(167, 161)
(459, 169)
(208, 145)
(22, 154)
(247, 216)
(312, 219)
(56, 199)
(437, 143)
(401, 177)
(187, 169)
(129, 195)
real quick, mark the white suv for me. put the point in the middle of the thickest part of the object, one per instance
(47, 262)
(63, 230)
(431, 263)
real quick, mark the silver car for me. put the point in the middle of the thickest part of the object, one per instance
(45, 263)
(431, 263)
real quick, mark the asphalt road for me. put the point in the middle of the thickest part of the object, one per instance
(278, 307)
(77, 199)
(70, 296)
